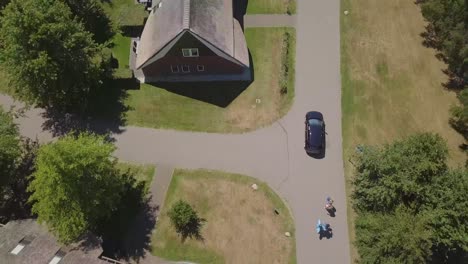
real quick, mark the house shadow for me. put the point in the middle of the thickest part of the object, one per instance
(239, 10)
(104, 115)
(219, 93)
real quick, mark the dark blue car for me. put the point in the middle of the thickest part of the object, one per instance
(314, 134)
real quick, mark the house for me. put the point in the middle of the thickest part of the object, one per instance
(191, 40)
(27, 242)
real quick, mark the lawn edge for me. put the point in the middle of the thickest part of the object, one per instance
(348, 174)
(269, 192)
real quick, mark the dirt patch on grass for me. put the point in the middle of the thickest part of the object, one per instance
(240, 227)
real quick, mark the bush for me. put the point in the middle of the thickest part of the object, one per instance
(185, 220)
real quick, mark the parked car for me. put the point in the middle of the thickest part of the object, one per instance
(314, 133)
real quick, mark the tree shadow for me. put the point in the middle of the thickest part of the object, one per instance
(105, 112)
(239, 10)
(127, 233)
(94, 19)
(430, 40)
(14, 203)
(219, 93)
(193, 230)
(89, 242)
(132, 31)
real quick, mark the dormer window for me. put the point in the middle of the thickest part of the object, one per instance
(22, 244)
(190, 52)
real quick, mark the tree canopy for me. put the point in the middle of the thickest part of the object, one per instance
(448, 21)
(93, 17)
(185, 219)
(51, 59)
(9, 148)
(76, 185)
(406, 197)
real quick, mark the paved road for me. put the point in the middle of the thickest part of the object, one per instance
(274, 154)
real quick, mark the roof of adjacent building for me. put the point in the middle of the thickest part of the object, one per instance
(43, 246)
(209, 20)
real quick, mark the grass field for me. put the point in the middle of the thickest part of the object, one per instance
(240, 227)
(391, 82)
(271, 7)
(158, 108)
(125, 12)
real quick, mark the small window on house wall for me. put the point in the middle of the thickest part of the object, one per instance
(185, 68)
(175, 68)
(190, 52)
(200, 68)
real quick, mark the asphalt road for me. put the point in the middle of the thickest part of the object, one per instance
(274, 154)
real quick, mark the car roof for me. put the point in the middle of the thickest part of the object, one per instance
(314, 115)
(314, 134)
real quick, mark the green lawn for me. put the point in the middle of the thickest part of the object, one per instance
(125, 12)
(140, 172)
(271, 7)
(391, 83)
(240, 227)
(158, 108)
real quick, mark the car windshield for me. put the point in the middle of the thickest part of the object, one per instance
(315, 122)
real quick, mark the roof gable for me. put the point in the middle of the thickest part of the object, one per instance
(210, 20)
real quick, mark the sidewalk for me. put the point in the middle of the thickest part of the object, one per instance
(138, 242)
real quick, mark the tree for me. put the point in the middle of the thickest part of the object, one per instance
(10, 150)
(449, 210)
(185, 219)
(93, 17)
(76, 185)
(3, 3)
(400, 237)
(405, 195)
(399, 173)
(449, 22)
(52, 60)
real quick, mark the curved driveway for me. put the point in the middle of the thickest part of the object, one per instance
(274, 154)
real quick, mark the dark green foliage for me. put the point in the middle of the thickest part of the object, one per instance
(3, 3)
(448, 27)
(447, 31)
(93, 17)
(384, 179)
(76, 185)
(185, 219)
(449, 210)
(14, 202)
(399, 237)
(411, 207)
(52, 60)
(10, 150)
